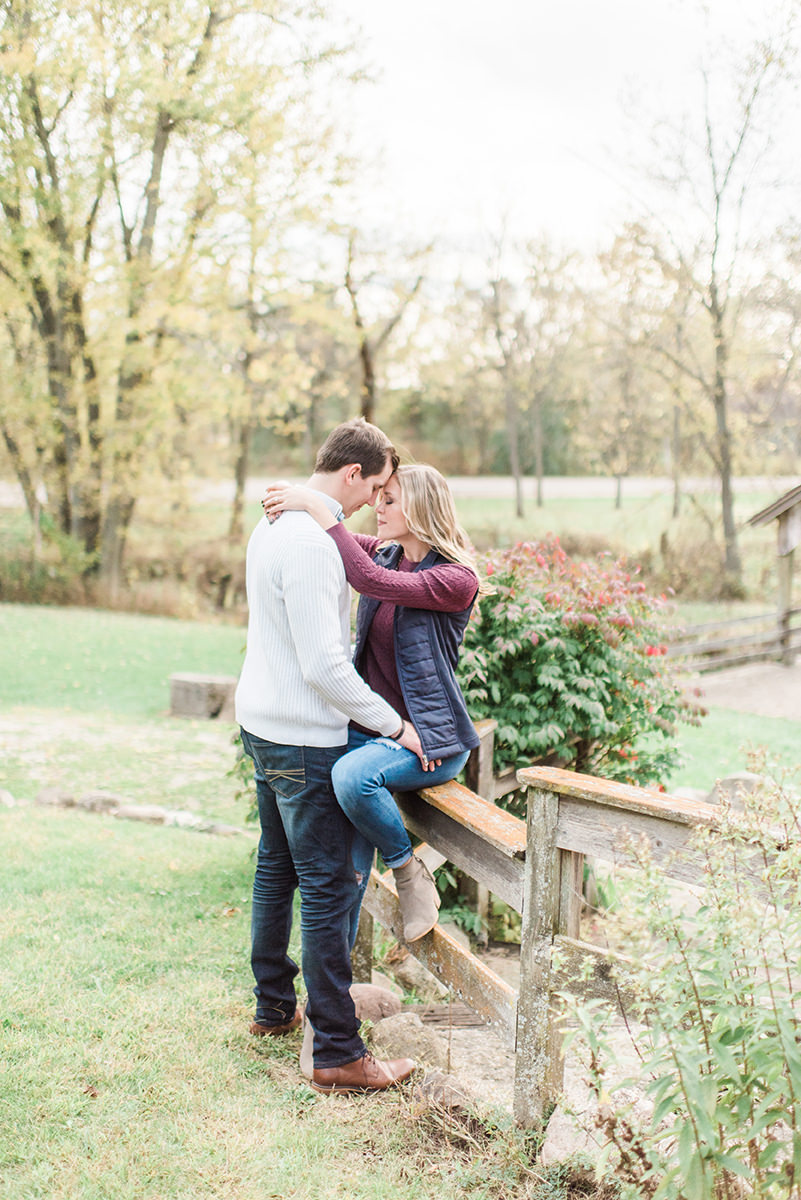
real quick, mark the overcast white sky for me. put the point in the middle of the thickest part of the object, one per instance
(488, 110)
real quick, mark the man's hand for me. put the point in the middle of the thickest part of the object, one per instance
(410, 740)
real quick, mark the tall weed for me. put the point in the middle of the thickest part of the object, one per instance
(712, 989)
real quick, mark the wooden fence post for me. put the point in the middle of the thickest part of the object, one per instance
(361, 957)
(478, 773)
(479, 776)
(571, 889)
(785, 570)
(538, 1059)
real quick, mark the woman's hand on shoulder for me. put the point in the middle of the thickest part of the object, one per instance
(282, 496)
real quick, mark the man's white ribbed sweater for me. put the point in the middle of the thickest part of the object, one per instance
(298, 686)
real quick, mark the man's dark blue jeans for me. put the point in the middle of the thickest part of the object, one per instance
(305, 843)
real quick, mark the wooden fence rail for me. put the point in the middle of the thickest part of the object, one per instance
(536, 866)
(716, 644)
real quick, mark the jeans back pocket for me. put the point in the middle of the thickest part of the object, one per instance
(282, 767)
(286, 781)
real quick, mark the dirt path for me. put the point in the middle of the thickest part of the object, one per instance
(765, 689)
(574, 486)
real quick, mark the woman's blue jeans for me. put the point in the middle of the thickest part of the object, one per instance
(364, 780)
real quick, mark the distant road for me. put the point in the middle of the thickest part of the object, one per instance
(554, 487)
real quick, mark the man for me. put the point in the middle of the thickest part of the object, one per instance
(296, 693)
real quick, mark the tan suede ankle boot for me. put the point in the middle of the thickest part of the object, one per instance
(418, 898)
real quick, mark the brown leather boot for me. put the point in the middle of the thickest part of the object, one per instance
(418, 898)
(277, 1030)
(372, 1003)
(366, 1074)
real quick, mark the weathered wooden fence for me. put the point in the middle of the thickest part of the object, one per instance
(727, 643)
(535, 866)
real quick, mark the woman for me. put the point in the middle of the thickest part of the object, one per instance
(418, 584)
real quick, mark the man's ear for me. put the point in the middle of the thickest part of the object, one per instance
(351, 471)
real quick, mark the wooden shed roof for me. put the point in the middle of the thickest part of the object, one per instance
(778, 508)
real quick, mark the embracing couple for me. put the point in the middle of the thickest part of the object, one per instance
(332, 739)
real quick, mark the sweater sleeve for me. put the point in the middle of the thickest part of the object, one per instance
(312, 612)
(368, 544)
(449, 587)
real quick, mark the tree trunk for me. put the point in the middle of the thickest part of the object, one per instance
(58, 315)
(310, 434)
(121, 501)
(132, 375)
(675, 455)
(367, 389)
(513, 436)
(88, 506)
(236, 527)
(732, 563)
(675, 445)
(538, 446)
(116, 523)
(23, 475)
(75, 487)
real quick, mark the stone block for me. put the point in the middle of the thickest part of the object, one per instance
(206, 697)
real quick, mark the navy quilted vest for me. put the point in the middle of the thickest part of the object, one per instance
(426, 652)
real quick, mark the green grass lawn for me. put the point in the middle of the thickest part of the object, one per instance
(176, 764)
(493, 522)
(126, 1069)
(81, 660)
(590, 525)
(722, 746)
(126, 1072)
(85, 698)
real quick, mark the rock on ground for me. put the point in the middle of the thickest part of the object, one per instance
(375, 1004)
(405, 1036)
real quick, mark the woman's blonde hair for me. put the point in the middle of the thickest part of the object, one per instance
(430, 513)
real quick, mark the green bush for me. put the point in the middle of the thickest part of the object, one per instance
(713, 1009)
(55, 573)
(569, 658)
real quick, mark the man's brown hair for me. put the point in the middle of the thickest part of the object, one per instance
(356, 441)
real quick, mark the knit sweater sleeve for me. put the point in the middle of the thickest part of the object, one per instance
(311, 597)
(449, 587)
(368, 544)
